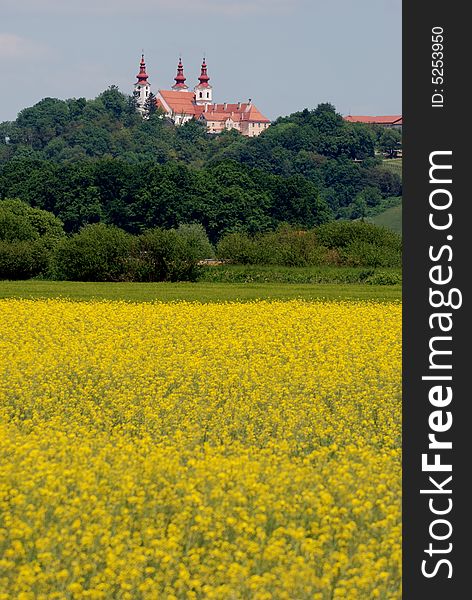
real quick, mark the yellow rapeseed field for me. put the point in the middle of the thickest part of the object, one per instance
(190, 451)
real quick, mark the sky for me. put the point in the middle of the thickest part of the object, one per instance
(286, 55)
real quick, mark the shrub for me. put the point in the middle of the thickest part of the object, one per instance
(14, 227)
(23, 259)
(339, 234)
(27, 236)
(97, 253)
(337, 243)
(196, 241)
(364, 254)
(165, 255)
(19, 221)
(384, 278)
(238, 248)
(288, 247)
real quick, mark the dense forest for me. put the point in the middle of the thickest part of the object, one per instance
(90, 161)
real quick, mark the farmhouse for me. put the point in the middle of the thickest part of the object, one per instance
(391, 121)
(181, 104)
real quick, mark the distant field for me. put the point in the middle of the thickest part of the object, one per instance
(391, 218)
(394, 164)
(195, 292)
(273, 274)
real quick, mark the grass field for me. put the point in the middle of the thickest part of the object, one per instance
(200, 292)
(394, 164)
(391, 218)
(276, 274)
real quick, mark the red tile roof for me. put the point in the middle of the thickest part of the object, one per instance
(382, 120)
(236, 112)
(255, 115)
(183, 103)
(212, 115)
(180, 102)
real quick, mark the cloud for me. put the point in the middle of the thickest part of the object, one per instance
(148, 7)
(15, 47)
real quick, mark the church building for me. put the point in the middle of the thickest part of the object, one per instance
(181, 104)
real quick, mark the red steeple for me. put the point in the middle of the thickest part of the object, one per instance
(180, 77)
(204, 79)
(142, 75)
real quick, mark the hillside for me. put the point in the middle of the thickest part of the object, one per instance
(390, 218)
(98, 160)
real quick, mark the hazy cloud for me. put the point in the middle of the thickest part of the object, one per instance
(13, 46)
(148, 7)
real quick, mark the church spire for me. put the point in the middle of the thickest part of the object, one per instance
(203, 90)
(142, 87)
(142, 76)
(180, 78)
(204, 79)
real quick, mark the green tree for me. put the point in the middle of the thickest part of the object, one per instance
(115, 103)
(19, 221)
(196, 240)
(358, 208)
(43, 121)
(76, 107)
(390, 142)
(191, 131)
(165, 255)
(150, 106)
(298, 202)
(27, 238)
(97, 253)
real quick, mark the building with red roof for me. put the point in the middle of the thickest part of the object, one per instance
(181, 105)
(244, 117)
(393, 121)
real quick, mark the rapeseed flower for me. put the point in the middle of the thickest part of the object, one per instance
(196, 451)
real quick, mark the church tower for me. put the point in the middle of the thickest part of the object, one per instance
(142, 87)
(203, 90)
(179, 85)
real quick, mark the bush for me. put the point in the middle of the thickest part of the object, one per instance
(27, 237)
(288, 247)
(165, 255)
(97, 253)
(364, 254)
(285, 247)
(238, 248)
(106, 253)
(340, 234)
(14, 227)
(19, 221)
(196, 241)
(23, 259)
(385, 278)
(337, 243)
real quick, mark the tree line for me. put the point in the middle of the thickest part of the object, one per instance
(97, 160)
(34, 243)
(227, 196)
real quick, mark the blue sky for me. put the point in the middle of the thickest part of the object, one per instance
(284, 54)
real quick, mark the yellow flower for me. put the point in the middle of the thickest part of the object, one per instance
(191, 450)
